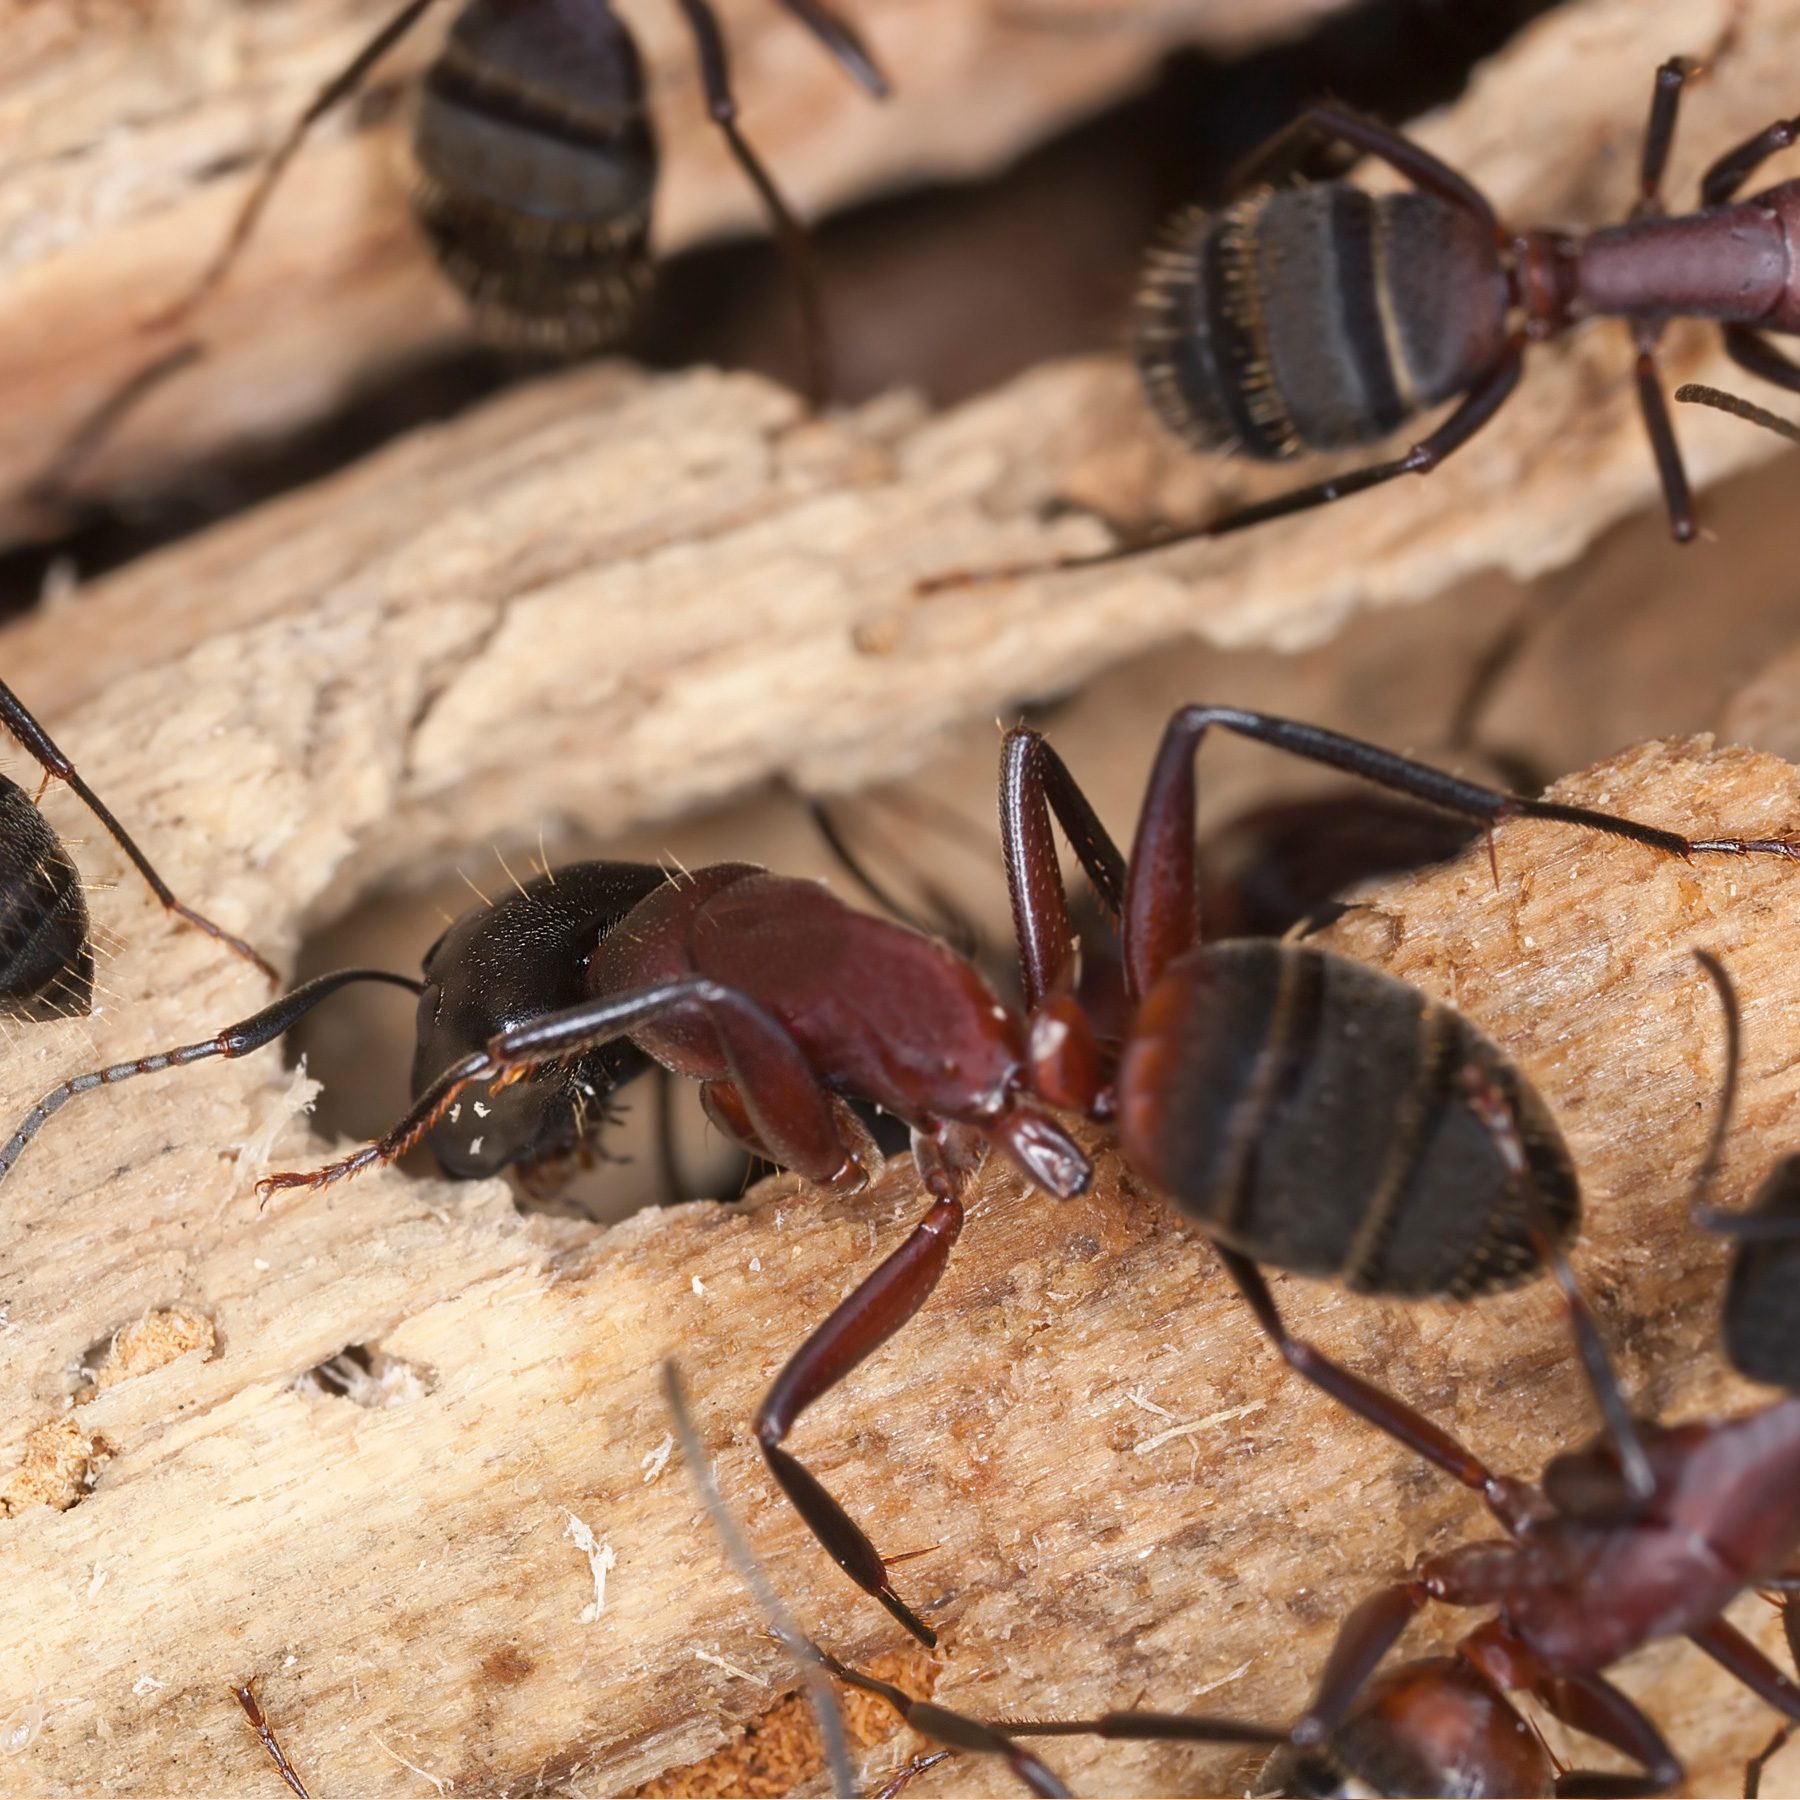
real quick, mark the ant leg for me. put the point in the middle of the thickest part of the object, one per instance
(339, 87)
(1399, 152)
(259, 1723)
(17, 719)
(943, 1726)
(792, 1112)
(1587, 1703)
(1475, 409)
(235, 1040)
(859, 1325)
(1160, 914)
(1736, 167)
(1508, 1500)
(1750, 350)
(1678, 498)
(1659, 133)
(1753, 1769)
(1735, 1654)
(941, 918)
(1034, 783)
(844, 42)
(790, 234)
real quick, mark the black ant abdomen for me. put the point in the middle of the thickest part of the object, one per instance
(46, 957)
(1314, 1113)
(536, 171)
(1313, 318)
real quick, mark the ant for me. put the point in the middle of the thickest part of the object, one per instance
(245, 1696)
(46, 954)
(786, 1004)
(1318, 317)
(1592, 1572)
(536, 166)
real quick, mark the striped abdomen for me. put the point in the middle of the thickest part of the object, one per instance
(1316, 317)
(536, 168)
(1314, 1114)
(46, 956)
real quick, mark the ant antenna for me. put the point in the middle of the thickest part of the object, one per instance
(750, 1570)
(235, 1040)
(1697, 393)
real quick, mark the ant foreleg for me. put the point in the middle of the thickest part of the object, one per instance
(792, 1112)
(17, 718)
(235, 1040)
(792, 237)
(1659, 132)
(858, 1326)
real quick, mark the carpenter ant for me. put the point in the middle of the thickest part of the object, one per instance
(259, 1723)
(786, 1004)
(1318, 317)
(46, 954)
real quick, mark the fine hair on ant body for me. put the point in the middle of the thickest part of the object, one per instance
(786, 1004)
(46, 947)
(1319, 316)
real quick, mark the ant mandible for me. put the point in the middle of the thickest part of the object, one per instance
(785, 1004)
(46, 952)
(1320, 316)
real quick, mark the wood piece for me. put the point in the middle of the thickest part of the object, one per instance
(1122, 1499)
(132, 138)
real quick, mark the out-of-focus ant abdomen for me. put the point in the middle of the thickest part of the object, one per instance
(46, 956)
(1315, 317)
(1314, 1114)
(536, 168)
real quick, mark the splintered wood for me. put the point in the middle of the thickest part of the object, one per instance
(1119, 1495)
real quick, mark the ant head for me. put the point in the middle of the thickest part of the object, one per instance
(46, 956)
(507, 963)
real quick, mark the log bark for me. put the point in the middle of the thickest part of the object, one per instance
(134, 134)
(1124, 1498)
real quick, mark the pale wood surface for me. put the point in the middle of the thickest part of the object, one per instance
(412, 1562)
(131, 133)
